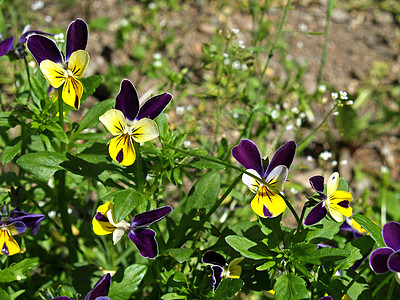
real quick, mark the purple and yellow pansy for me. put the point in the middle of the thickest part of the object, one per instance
(335, 202)
(131, 122)
(63, 70)
(139, 233)
(219, 268)
(267, 203)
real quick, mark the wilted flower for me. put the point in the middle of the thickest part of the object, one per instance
(129, 121)
(219, 269)
(387, 258)
(139, 233)
(99, 292)
(335, 202)
(59, 70)
(266, 203)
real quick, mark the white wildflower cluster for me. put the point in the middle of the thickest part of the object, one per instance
(235, 31)
(334, 96)
(59, 38)
(326, 155)
(152, 5)
(241, 44)
(236, 65)
(186, 144)
(157, 60)
(235, 115)
(342, 97)
(322, 88)
(124, 22)
(180, 110)
(37, 5)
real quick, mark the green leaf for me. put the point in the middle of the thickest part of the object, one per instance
(324, 230)
(91, 118)
(373, 229)
(59, 132)
(205, 192)
(201, 163)
(170, 296)
(43, 164)
(4, 295)
(10, 151)
(122, 287)
(267, 265)
(90, 85)
(324, 256)
(163, 128)
(343, 185)
(180, 277)
(125, 201)
(17, 271)
(360, 290)
(181, 254)
(246, 247)
(290, 287)
(228, 288)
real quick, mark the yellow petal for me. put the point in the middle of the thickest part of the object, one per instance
(121, 150)
(332, 183)
(267, 204)
(234, 269)
(7, 243)
(103, 227)
(72, 92)
(78, 63)
(53, 73)
(339, 201)
(144, 130)
(114, 121)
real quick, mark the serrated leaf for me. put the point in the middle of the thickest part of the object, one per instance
(228, 288)
(181, 254)
(290, 287)
(246, 247)
(373, 229)
(125, 201)
(205, 192)
(43, 164)
(91, 118)
(122, 287)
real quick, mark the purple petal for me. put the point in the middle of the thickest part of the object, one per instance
(154, 106)
(391, 235)
(317, 183)
(127, 100)
(266, 212)
(61, 298)
(22, 39)
(149, 217)
(214, 258)
(144, 240)
(248, 155)
(30, 220)
(315, 215)
(283, 156)
(43, 48)
(101, 288)
(394, 262)
(326, 298)
(77, 37)
(16, 228)
(379, 260)
(6, 45)
(346, 226)
(216, 277)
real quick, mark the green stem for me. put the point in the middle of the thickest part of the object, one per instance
(270, 187)
(303, 144)
(381, 284)
(364, 268)
(28, 75)
(61, 115)
(138, 169)
(210, 212)
(329, 10)
(391, 288)
(300, 224)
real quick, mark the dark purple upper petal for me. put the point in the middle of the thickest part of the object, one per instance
(394, 262)
(43, 48)
(283, 156)
(317, 183)
(77, 37)
(101, 288)
(6, 45)
(154, 106)
(61, 298)
(326, 298)
(17, 227)
(216, 277)
(316, 214)
(149, 217)
(144, 240)
(30, 220)
(248, 155)
(127, 100)
(214, 258)
(391, 235)
(379, 260)
(22, 39)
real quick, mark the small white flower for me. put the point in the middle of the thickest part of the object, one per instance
(157, 63)
(180, 110)
(226, 55)
(298, 122)
(344, 162)
(186, 144)
(325, 155)
(289, 127)
(275, 114)
(384, 169)
(51, 214)
(303, 27)
(343, 95)
(152, 5)
(350, 102)
(335, 113)
(300, 44)
(41, 203)
(334, 96)
(48, 19)
(124, 22)
(322, 88)
(235, 31)
(236, 65)
(189, 107)
(294, 110)
(37, 5)
(302, 115)
(157, 55)
(244, 67)
(69, 210)
(241, 44)
(293, 190)
(334, 163)
(309, 158)
(226, 61)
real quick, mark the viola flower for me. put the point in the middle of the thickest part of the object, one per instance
(139, 233)
(6, 45)
(387, 258)
(7, 243)
(59, 69)
(99, 292)
(351, 225)
(266, 203)
(129, 122)
(219, 269)
(335, 202)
